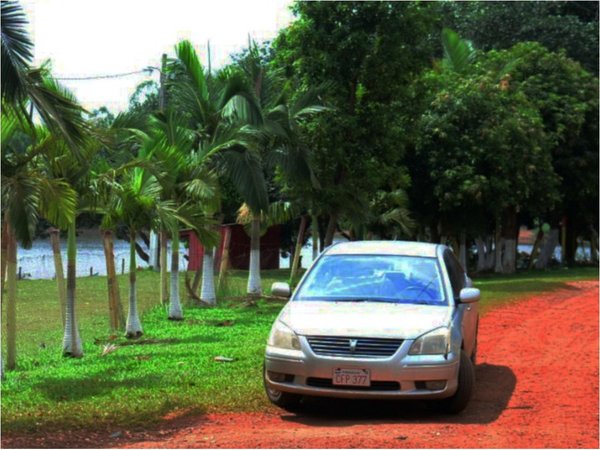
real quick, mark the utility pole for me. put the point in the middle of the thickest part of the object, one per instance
(162, 105)
(208, 51)
(162, 97)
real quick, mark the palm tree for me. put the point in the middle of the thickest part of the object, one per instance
(137, 203)
(25, 88)
(119, 141)
(218, 108)
(185, 181)
(27, 194)
(279, 121)
(57, 162)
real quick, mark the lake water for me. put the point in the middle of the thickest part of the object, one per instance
(38, 261)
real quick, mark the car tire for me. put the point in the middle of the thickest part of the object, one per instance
(286, 400)
(466, 384)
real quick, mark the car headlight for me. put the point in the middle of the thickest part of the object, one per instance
(282, 336)
(436, 342)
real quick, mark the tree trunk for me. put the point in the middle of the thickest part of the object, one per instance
(225, 257)
(133, 329)
(550, 243)
(314, 228)
(331, 226)
(462, 252)
(498, 244)
(11, 304)
(164, 284)
(207, 293)
(536, 245)
(593, 244)
(481, 254)
(175, 310)
(58, 269)
(572, 232)
(154, 251)
(254, 282)
(563, 241)
(510, 233)
(298, 250)
(71, 341)
(117, 317)
(3, 250)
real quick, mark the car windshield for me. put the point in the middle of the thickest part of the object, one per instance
(374, 278)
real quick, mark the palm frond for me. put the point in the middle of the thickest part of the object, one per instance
(17, 52)
(458, 52)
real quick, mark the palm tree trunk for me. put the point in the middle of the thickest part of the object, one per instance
(207, 292)
(164, 286)
(498, 244)
(3, 250)
(58, 269)
(11, 304)
(536, 245)
(133, 329)
(117, 319)
(175, 311)
(224, 257)
(254, 283)
(298, 250)
(71, 341)
(314, 226)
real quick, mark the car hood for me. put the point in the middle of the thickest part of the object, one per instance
(383, 320)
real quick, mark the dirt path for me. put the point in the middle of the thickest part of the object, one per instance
(537, 386)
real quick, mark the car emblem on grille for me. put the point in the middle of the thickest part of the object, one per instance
(353, 343)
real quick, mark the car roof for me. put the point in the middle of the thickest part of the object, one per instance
(405, 248)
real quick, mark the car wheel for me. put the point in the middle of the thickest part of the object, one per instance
(285, 400)
(466, 383)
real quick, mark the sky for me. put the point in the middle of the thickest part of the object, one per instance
(101, 37)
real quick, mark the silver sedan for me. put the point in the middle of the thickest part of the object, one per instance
(376, 319)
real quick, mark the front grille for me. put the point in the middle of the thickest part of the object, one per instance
(364, 348)
(375, 385)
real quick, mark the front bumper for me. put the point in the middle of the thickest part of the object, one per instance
(408, 371)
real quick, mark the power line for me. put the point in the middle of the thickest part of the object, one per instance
(148, 70)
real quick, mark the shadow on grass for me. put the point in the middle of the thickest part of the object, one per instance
(494, 388)
(150, 424)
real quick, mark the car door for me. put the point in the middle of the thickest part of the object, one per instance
(468, 312)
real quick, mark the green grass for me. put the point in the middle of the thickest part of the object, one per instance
(171, 369)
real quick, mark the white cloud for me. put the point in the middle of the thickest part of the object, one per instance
(95, 37)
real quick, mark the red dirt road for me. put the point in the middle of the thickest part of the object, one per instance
(537, 386)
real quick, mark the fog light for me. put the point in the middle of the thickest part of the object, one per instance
(279, 377)
(435, 385)
(276, 376)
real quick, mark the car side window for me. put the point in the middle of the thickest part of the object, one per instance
(455, 273)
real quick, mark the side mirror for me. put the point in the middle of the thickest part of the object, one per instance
(469, 295)
(281, 290)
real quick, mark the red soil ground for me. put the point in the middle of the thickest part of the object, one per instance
(537, 386)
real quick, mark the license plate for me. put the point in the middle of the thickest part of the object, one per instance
(351, 377)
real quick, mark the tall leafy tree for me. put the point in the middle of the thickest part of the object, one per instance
(368, 53)
(209, 103)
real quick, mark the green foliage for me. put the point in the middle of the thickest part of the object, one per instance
(569, 25)
(365, 54)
